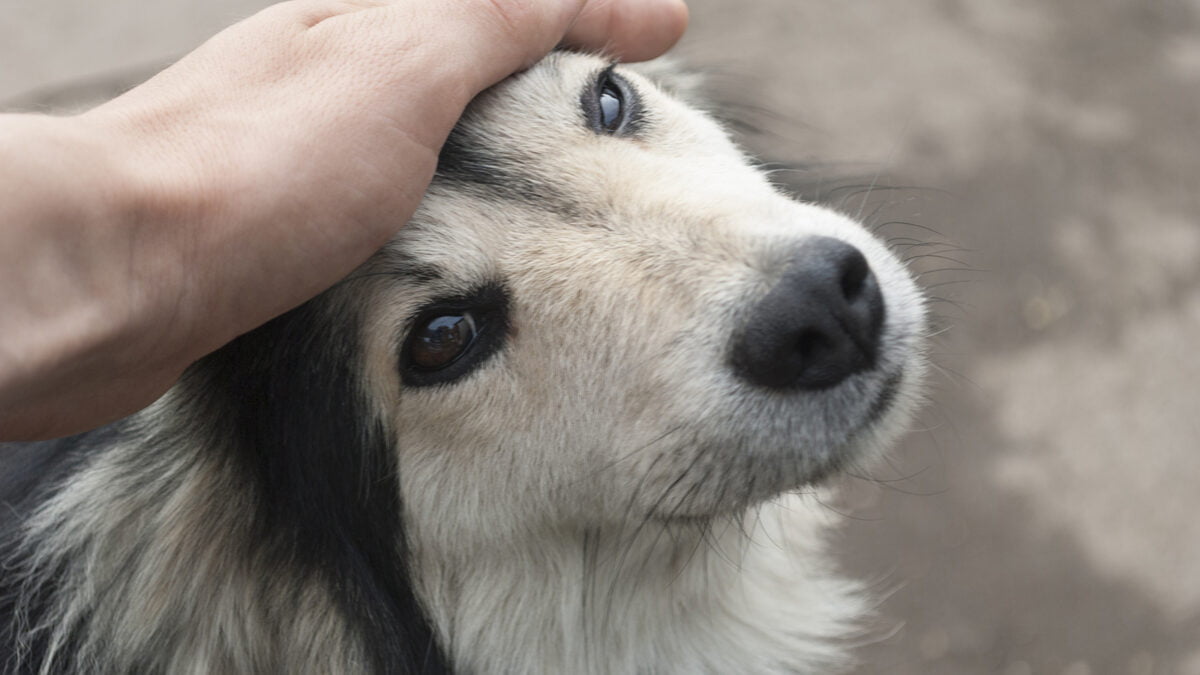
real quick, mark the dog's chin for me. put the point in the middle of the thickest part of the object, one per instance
(746, 484)
(775, 467)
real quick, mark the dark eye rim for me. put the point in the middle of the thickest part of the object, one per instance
(630, 108)
(488, 307)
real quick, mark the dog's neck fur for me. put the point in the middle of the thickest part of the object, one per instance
(157, 572)
(151, 570)
(753, 596)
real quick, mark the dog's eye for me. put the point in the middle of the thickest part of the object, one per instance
(451, 337)
(441, 340)
(608, 104)
(612, 106)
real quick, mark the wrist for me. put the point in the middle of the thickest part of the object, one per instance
(72, 305)
(56, 171)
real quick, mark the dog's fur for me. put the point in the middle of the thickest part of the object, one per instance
(599, 493)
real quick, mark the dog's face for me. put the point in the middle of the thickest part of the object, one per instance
(602, 326)
(603, 313)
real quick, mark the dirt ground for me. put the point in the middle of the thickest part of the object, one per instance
(1039, 161)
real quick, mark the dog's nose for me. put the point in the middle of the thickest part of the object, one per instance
(817, 326)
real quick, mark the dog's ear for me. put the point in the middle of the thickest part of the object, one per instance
(323, 471)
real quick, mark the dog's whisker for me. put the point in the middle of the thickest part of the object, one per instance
(637, 451)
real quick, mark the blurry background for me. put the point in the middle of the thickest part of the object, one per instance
(1040, 162)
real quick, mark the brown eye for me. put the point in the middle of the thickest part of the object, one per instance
(441, 340)
(452, 336)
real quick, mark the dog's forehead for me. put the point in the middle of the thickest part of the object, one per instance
(531, 134)
(526, 170)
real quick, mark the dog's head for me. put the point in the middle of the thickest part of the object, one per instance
(603, 311)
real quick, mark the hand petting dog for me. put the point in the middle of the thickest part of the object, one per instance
(243, 180)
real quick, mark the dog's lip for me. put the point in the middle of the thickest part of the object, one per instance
(887, 386)
(822, 462)
(886, 397)
(847, 451)
(879, 407)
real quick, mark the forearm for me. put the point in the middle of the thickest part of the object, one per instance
(67, 312)
(242, 181)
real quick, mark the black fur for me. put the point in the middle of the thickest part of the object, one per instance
(326, 473)
(321, 470)
(470, 162)
(29, 472)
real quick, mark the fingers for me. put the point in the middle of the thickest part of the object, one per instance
(632, 30)
(470, 45)
(494, 37)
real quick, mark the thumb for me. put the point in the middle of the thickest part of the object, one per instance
(469, 45)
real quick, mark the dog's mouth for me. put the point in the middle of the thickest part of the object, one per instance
(858, 442)
(725, 477)
(886, 399)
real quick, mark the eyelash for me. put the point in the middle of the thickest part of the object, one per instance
(609, 84)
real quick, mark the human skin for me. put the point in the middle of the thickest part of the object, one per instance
(243, 180)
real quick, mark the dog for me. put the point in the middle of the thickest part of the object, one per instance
(571, 419)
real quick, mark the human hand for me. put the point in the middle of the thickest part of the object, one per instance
(243, 180)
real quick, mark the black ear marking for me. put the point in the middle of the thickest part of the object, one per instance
(324, 473)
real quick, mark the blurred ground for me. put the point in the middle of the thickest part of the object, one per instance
(1043, 518)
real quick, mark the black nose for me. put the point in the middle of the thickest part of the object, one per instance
(817, 326)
